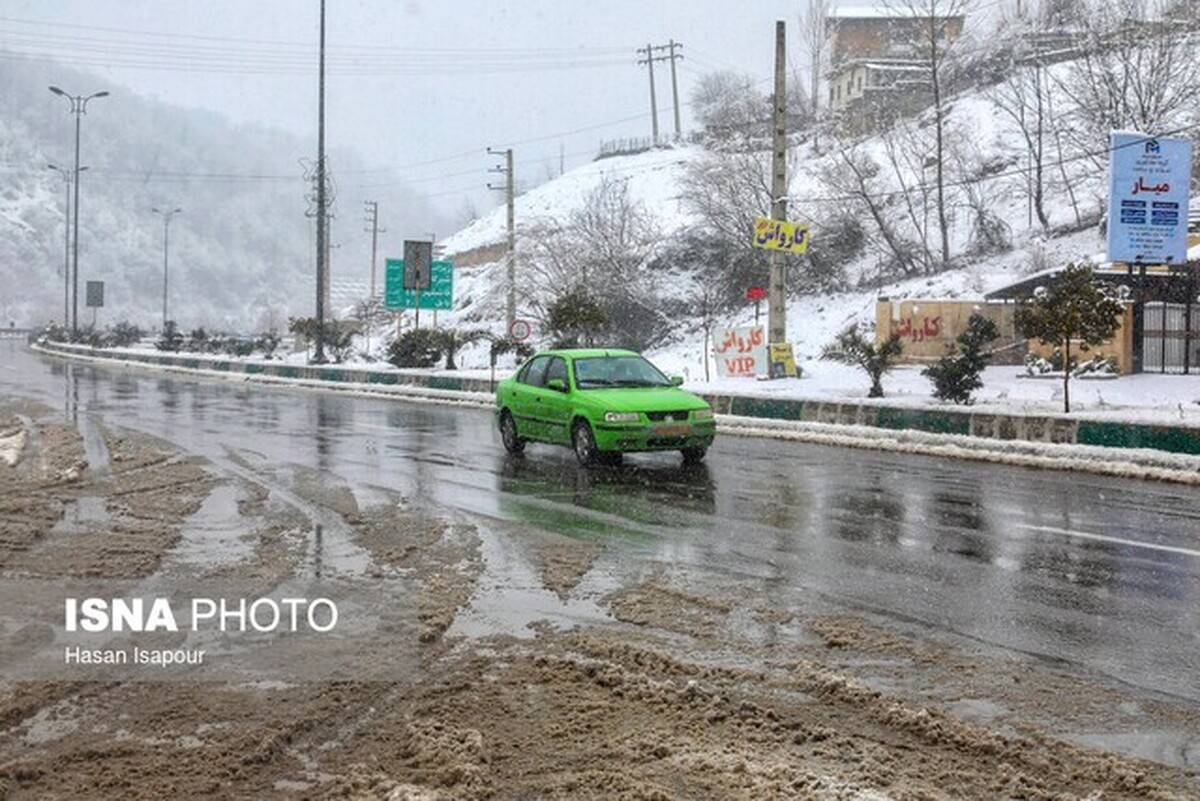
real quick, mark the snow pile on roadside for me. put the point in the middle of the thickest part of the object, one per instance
(12, 445)
(1121, 462)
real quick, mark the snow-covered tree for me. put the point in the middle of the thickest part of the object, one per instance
(1072, 307)
(1133, 74)
(729, 103)
(605, 249)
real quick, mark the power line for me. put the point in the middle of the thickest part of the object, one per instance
(304, 45)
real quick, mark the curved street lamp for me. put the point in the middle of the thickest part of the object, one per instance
(167, 214)
(78, 108)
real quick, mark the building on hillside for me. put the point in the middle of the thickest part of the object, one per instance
(880, 62)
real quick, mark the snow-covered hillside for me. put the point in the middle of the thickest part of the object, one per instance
(990, 183)
(241, 250)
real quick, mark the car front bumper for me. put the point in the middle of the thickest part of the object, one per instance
(642, 437)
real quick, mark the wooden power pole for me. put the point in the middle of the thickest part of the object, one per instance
(776, 308)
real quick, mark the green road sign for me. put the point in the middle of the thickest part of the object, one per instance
(440, 295)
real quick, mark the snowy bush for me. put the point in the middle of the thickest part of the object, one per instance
(1037, 365)
(956, 375)
(854, 348)
(1097, 366)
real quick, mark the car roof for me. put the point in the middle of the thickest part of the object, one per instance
(587, 353)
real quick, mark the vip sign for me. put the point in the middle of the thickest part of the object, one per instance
(740, 351)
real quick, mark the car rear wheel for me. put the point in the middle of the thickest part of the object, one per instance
(508, 433)
(584, 443)
(693, 455)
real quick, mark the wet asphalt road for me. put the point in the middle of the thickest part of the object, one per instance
(1099, 573)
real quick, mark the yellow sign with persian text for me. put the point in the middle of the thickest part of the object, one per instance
(779, 235)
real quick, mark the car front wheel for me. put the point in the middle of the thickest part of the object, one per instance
(584, 443)
(692, 455)
(508, 433)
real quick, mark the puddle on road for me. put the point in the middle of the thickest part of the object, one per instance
(334, 553)
(94, 449)
(1176, 748)
(510, 597)
(215, 535)
(80, 515)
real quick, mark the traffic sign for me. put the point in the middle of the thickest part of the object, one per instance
(439, 296)
(95, 294)
(520, 329)
(418, 255)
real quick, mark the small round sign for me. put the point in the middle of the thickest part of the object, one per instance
(520, 329)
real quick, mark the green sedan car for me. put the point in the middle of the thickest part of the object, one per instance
(601, 403)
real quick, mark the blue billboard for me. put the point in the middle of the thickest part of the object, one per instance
(1148, 199)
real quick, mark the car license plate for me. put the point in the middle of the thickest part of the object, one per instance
(672, 431)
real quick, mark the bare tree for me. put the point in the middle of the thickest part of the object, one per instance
(933, 44)
(729, 103)
(815, 44)
(1025, 99)
(1133, 75)
(856, 177)
(606, 248)
(727, 191)
(907, 158)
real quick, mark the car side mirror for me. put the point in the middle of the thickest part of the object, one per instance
(556, 384)
(676, 380)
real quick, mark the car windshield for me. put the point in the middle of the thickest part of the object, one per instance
(617, 371)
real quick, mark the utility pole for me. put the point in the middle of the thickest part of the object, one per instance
(510, 259)
(167, 214)
(322, 233)
(329, 246)
(672, 56)
(649, 62)
(776, 310)
(372, 208)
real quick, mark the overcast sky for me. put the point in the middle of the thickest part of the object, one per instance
(421, 87)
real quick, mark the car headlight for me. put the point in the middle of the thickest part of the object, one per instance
(702, 414)
(620, 417)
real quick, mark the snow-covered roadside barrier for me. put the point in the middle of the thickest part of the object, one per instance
(1140, 463)
(1130, 462)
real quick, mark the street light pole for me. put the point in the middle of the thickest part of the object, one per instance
(167, 214)
(66, 243)
(78, 108)
(322, 211)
